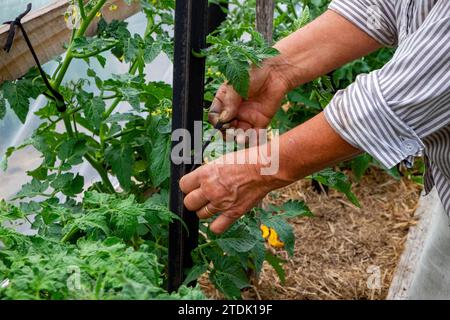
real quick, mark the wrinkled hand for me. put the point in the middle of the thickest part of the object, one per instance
(266, 92)
(230, 190)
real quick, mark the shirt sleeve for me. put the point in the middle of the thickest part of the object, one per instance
(376, 18)
(389, 112)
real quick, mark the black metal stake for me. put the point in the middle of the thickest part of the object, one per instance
(193, 21)
(188, 87)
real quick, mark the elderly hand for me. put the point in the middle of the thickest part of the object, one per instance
(267, 88)
(228, 189)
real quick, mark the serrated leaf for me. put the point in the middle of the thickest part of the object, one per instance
(229, 277)
(95, 220)
(120, 157)
(119, 117)
(338, 181)
(303, 20)
(236, 71)
(294, 208)
(132, 96)
(32, 189)
(132, 48)
(237, 240)
(18, 98)
(151, 50)
(68, 184)
(93, 111)
(195, 273)
(277, 265)
(159, 158)
(72, 151)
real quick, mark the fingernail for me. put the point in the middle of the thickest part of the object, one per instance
(214, 106)
(224, 116)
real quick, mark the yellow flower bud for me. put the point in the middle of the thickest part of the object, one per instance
(274, 241)
(265, 231)
(113, 7)
(98, 14)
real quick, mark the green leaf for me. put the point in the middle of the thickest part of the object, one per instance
(236, 71)
(237, 240)
(72, 151)
(101, 59)
(304, 19)
(68, 184)
(124, 217)
(360, 165)
(91, 220)
(277, 265)
(151, 50)
(159, 159)
(294, 208)
(338, 181)
(93, 111)
(299, 96)
(229, 277)
(132, 96)
(17, 95)
(195, 273)
(10, 151)
(2, 108)
(32, 189)
(120, 157)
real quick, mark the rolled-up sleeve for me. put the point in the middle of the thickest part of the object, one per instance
(375, 17)
(389, 112)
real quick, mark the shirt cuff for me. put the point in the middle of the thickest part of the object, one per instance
(361, 116)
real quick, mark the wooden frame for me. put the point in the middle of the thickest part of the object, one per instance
(417, 235)
(48, 32)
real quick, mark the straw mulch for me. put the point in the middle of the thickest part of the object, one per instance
(339, 250)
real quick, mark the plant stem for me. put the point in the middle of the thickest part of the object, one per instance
(70, 234)
(82, 12)
(60, 77)
(122, 133)
(101, 171)
(94, 53)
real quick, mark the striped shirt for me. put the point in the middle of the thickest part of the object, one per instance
(402, 110)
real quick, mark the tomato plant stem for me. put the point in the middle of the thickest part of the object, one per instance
(102, 172)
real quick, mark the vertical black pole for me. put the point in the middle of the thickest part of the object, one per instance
(188, 87)
(216, 15)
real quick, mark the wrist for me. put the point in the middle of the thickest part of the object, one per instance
(270, 168)
(279, 75)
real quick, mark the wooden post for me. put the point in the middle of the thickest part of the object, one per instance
(48, 32)
(264, 18)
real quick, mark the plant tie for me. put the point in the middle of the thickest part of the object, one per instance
(54, 94)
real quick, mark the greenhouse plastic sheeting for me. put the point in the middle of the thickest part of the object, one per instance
(12, 132)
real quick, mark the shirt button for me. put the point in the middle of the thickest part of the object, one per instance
(410, 147)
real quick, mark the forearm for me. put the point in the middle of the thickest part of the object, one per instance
(309, 148)
(320, 47)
